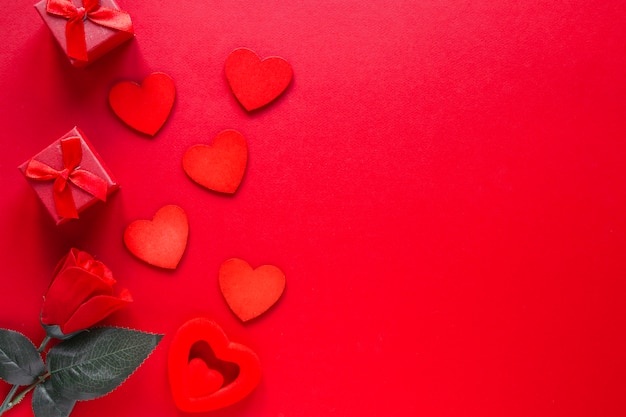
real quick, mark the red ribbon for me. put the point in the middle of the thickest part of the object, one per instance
(75, 28)
(72, 151)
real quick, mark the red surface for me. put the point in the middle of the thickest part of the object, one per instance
(442, 184)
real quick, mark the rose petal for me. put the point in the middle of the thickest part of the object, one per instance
(94, 310)
(67, 261)
(68, 291)
(82, 257)
(100, 270)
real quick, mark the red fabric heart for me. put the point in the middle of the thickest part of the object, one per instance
(162, 241)
(256, 82)
(185, 374)
(144, 107)
(219, 166)
(250, 292)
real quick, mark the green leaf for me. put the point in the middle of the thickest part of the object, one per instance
(48, 403)
(20, 363)
(95, 362)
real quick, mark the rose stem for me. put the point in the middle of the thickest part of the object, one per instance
(44, 343)
(5, 405)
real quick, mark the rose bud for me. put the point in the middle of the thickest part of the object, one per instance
(79, 296)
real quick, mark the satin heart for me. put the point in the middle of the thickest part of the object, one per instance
(256, 82)
(144, 107)
(185, 373)
(162, 241)
(250, 292)
(219, 166)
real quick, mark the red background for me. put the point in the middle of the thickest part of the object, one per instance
(443, 185)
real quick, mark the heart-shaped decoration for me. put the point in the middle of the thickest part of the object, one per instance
(219, 166)
(201, 379)
(162, 241)
(250, 292)
(195, 385)
(144, 107)
(256, 82)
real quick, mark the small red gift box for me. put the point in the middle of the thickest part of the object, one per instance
(69, 176)
(86, 29)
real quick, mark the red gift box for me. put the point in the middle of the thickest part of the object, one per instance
(69, 176)
(86, 29)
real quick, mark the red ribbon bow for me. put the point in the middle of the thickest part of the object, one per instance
(72, 151)
(75, 28)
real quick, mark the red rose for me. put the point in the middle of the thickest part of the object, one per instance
(79, 296)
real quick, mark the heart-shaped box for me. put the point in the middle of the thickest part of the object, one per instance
(207, 371)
